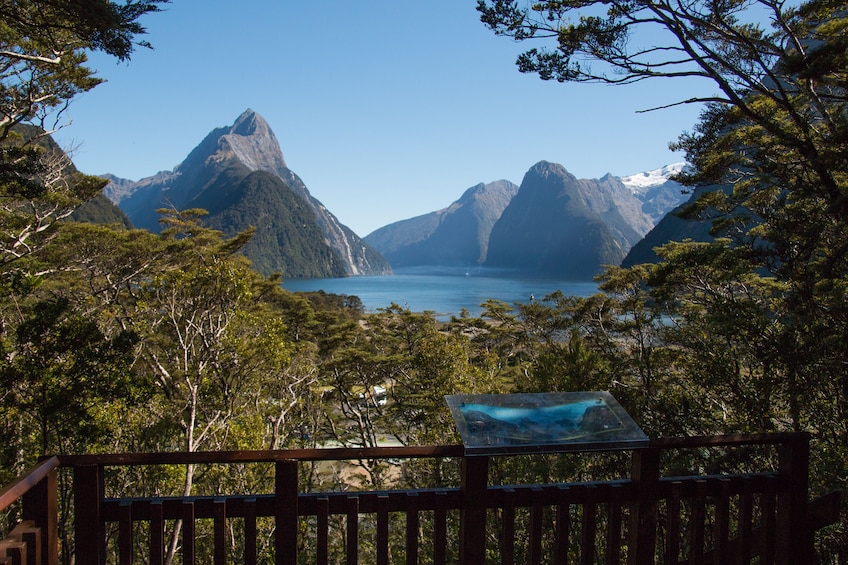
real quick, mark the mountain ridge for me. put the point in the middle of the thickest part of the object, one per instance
(612, 213)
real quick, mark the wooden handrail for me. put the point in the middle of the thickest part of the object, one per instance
(400, 452)
(265, 456)
(20, 486)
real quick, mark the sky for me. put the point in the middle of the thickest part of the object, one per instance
(387, 109)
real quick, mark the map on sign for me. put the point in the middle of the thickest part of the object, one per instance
(556, 421)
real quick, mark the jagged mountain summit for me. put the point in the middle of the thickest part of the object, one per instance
(564, 227)
(239, 175)
(454, 236)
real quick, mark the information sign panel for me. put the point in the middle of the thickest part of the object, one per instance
(543, 422)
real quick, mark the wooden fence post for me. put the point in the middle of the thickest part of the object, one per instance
(89, 536)
(472, 521)
(794, 536)
(645, 474)
(285, 511)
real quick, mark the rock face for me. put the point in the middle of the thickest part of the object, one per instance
(671, 228)
(454, 236)
(559, 226)
(218, 175)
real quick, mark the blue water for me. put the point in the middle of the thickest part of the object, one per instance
(445, 293)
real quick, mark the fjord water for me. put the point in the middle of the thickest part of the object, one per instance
(446, 293)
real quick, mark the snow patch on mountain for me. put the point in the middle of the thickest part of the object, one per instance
(640, 183)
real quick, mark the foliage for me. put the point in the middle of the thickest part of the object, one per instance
(745, 333)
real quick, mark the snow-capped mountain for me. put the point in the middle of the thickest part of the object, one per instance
(640, 183)
(657, 192)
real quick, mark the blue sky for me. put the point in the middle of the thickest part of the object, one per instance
(386, 109)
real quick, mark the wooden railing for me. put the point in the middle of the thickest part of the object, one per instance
(763, 517)
(34, 540)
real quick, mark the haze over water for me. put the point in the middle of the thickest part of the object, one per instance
(445, 293)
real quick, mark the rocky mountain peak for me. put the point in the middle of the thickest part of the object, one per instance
(252, 142)
(547, 170)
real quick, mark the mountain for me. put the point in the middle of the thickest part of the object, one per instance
(295, 233)
(657, 192)
(454, 236)
(564, 227)
(671, 228)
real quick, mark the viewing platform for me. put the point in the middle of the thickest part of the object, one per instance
(643, 517)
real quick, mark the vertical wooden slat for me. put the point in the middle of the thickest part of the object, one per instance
(352, 530)
(696, 524)
(536, 523)
(563, 526)
(322, 526)
(87, 528)
(508, 528)
(440, 528)
(472, 521)
(767, 504)
(588, 529)
(125, 533)
(219, 521)
(285, 511)
(672, 541)
(721, 550)
(745, 520)
(412, 525)
(250, 531)
(41, 506)
(614, 525)
(382, 529)
(156, 542)
(188, 532)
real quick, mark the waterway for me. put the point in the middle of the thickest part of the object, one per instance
(444, 292)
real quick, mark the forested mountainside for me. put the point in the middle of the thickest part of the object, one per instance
(672, 227)
(56, 164)
(214, 176)
(101, 210)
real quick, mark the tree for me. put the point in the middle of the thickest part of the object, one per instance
(765, 305)
(42, 52)
(43, 45)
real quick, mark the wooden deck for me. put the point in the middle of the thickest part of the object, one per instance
(762, 517)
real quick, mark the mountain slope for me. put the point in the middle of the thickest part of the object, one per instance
(454, 236)
(560, 226)
(670, 228)
(213, 177)
(287, 238)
